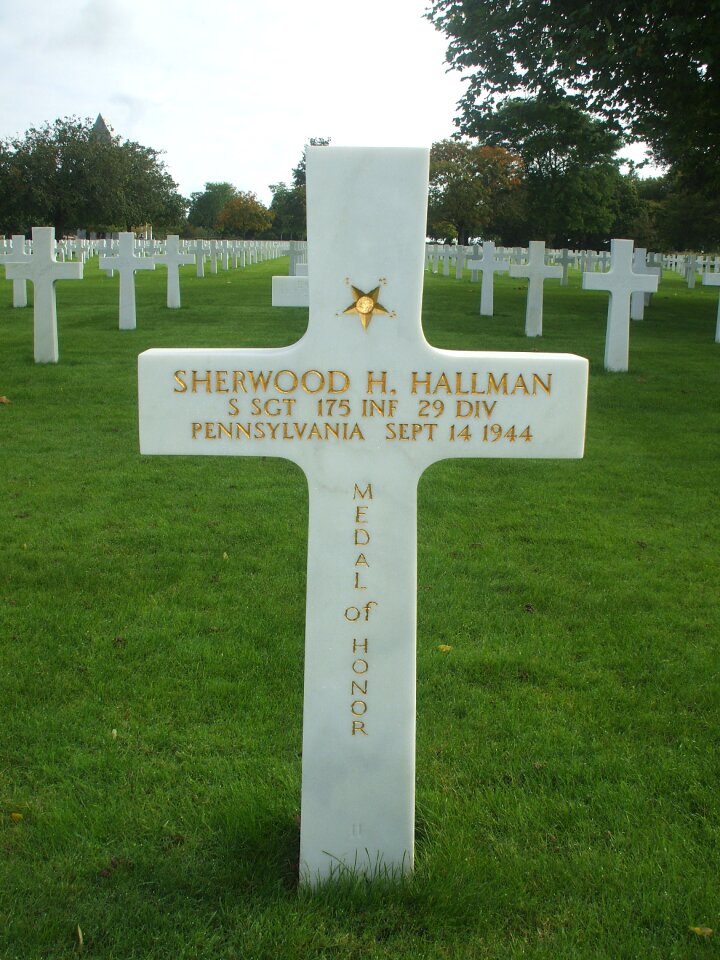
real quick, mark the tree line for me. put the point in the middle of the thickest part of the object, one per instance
(76, 174)
(562, 85)
(533, 167)
(69, 175)
(543, 168)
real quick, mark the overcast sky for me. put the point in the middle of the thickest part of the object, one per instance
(230, 90)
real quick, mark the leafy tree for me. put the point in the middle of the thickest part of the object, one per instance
(62, 174)
(650, 67)
(205, 205)
(288, 209)
(244, 216)
(467, 185)
(684, 217)
(552, 134)
(571, 175)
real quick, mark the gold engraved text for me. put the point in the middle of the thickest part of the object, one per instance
(261, 381)
(479, 385)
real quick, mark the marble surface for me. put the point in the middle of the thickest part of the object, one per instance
(43, 270)
(290, 291)
(126, 262)
(363, 404)
(621, 282)
(17, 254)
(537, 272)
(488, 264)
(713, 280)
(173, 258)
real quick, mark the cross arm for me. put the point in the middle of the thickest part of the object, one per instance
(293, 403)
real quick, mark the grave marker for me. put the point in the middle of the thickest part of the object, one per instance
(17, 254)
(214, 256)
(488, 265)
(565, 258)
(637, 298)
(621, 282)
(173, 258)
(126, 262)
(537, 272)
(198, 248)
(43, 270)
(363, 404)
(713, 280)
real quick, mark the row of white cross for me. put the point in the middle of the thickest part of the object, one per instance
(586, 261)
(241, 252)
(621, 281)
(630, 280)
(40, 265)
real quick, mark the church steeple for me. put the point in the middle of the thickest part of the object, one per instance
(100, 131)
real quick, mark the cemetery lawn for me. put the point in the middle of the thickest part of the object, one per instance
(151, 653)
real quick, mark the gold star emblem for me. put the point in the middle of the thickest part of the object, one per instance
(365, 305)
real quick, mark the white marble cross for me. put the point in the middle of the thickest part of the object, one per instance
(225, 254)
(214, 256)
(488, 265)
(173, 258)
(199, 249)
(565, 259)
(363, 404)
(126, 262)
(447, 252)
(603, 260)
(108, 247)
(17, 254)
(79, 248)
(621, 281)
(713, 280)
(43, 270)
(641, 298)
(637, 297)
(472, 255)
(296, 253)
(537, 272)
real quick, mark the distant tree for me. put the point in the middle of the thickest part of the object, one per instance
(649, 67)
(205, 205)
(288, 209)
(467, 185)
(63, 175)
(685, 215)
(571, 174)
(243, 216)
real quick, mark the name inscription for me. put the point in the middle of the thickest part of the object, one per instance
(300, 406)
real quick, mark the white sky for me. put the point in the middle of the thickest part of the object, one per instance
(230, 90)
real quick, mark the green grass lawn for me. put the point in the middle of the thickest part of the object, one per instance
(151, 652)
